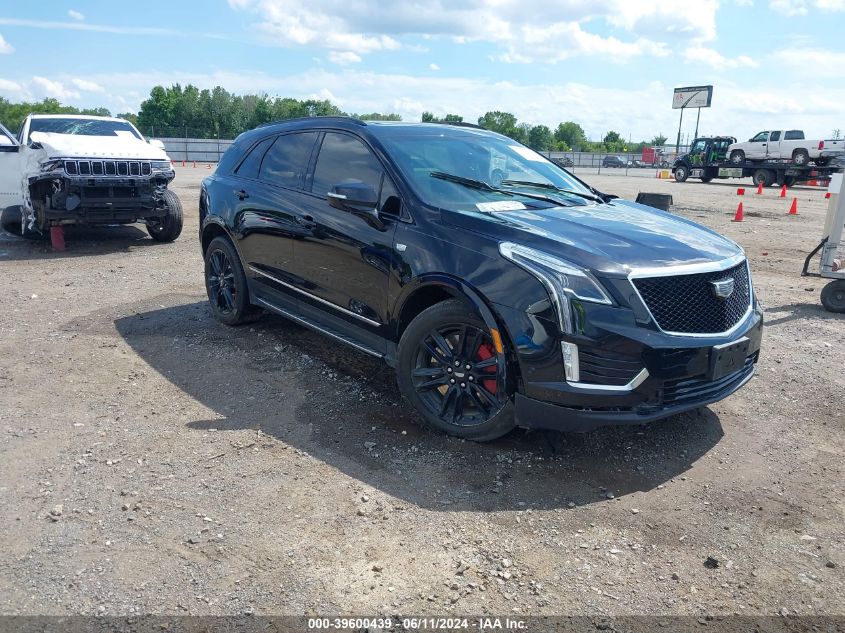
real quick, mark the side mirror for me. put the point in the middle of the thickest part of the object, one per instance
(358, 198)
(156, 143)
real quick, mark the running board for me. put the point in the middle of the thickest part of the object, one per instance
(317, 328)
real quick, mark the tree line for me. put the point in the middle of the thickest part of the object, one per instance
(217, 113)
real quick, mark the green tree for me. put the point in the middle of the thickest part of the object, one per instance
(612, 138)
(660, 139)
(377, 116)
(570, 135)
(540, 138)
(428, 117)
(501, 122)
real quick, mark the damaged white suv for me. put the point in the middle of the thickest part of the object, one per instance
(75, 169)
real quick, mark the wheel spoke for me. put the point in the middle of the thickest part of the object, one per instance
(485, 395)
(216, 264)
(487, 363)
(229, 298)
(444, 403)
(440, 350)
(457, 406)
(483, 405)
(435, 375)
(470, 343)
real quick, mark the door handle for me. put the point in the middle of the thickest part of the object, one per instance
(241, 194)
(306, 220)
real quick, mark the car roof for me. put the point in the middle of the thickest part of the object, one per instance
(77, 116)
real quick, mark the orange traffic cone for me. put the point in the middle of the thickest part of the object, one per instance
(740, 191)
(793, 210)
(759, 188)
(783, 192)
(195, 164)
(208, 166)
(183, 163)
(740, 216)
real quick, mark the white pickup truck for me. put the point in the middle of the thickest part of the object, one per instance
(786, 144)
(75, 169)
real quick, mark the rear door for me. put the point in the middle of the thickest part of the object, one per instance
(773, 147)
(344, 261)
(11, 192)
(267, 199)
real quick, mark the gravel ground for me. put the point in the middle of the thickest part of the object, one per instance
(153, 461)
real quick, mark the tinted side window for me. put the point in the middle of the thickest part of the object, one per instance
(775, 136)
(794, 135)
(345, 159)
(249, 166)
(286, 161)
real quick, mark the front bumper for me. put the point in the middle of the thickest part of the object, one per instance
(676, 376)
(101, 199)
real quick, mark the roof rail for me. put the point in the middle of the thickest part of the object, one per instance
(315, 118)
(458, 124)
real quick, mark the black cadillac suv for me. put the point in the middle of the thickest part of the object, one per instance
(504, 290)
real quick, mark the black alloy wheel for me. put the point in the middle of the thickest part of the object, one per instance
(450, 370)
(221, 282)
(225, 283)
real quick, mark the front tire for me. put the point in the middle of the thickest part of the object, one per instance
(448, 369)
(737, 157)
(833, 296)
(764, 177)
(169, 227)
(225, 284)
(681, 173)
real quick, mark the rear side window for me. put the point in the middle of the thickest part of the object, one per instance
(345, 159)
(775, 136)
(250, 165)
(287, 160)
(794, 135)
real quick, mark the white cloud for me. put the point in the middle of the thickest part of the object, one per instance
(87, 86)
(49, 88)
(710, 57)
(791, 8)
(344, 58)
(433, 67)
(525, 30)
(738, 110)
(76, 15)
(825, 63)
(5, 47)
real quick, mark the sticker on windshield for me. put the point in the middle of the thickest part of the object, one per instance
(501, 205)
(528, 154)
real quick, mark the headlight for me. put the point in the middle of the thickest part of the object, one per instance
(561, 278)
(160, 164)
(51, 165)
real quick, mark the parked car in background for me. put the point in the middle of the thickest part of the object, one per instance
(786, 144)
(76, 169)
(537, 301)
(614, 161)
(563, 161)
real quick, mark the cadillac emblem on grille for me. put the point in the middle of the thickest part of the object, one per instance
(723, 288)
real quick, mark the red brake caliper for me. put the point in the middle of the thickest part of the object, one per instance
(486, 351)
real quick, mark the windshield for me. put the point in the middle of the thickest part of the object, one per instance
(83, 127)
(497, 161)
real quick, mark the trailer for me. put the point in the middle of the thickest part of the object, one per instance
(832, 248)
(708, 160)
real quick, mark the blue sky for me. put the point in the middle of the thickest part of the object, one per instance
(607, 64)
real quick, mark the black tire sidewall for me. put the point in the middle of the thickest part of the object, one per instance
(452, 311)
(684, 171)
(243, 309)
(171, 225)
(828, 298)
(740, 157)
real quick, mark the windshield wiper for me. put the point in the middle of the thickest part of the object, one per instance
(472, 183)
(468, 182)
(551, 187)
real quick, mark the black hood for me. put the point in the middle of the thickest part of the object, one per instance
(609, 238)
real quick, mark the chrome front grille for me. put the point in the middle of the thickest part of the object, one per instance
(688, 304)
(107, 168)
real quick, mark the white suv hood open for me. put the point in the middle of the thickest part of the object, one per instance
(125, 145)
